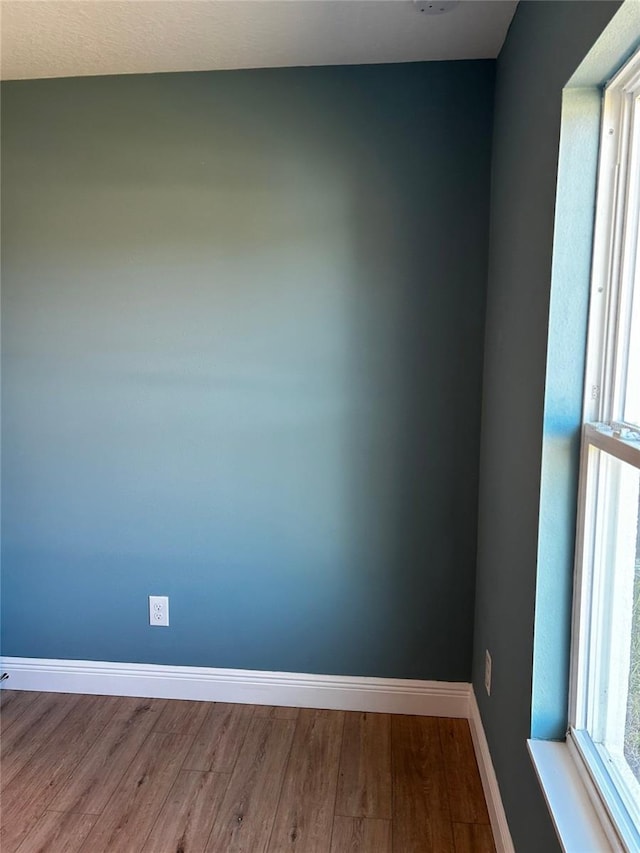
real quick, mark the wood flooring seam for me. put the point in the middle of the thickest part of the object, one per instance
(282, 778)
(335, 797)
(84, 754)
(133, 757)
(159, 811)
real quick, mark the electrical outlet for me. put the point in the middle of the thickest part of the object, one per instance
(158, 610)
(487, 672)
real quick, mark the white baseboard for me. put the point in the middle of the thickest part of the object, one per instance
(497, 816)
(335, 692)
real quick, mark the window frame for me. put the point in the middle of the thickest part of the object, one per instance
(615, 255)
(614, 186)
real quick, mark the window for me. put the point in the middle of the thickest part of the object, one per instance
(604, 711)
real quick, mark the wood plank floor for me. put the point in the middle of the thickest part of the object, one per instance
(120, 775)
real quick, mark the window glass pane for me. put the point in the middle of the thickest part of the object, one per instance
(613, 719)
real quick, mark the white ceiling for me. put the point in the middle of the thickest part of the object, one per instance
(68, 38)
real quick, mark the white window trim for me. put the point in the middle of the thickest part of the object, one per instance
(626, 451)
(579, 817)
(597, 780)
(611, 246)
(614, 258)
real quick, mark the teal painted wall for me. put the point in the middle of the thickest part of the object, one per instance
(242, 329)
(545, 44)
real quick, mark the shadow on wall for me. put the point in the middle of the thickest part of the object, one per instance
(242, 344)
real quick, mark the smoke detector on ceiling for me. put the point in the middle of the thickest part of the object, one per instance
(435, 7)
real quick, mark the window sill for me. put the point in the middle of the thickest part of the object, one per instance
(574, 816)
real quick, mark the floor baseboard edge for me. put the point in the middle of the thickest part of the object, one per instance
(333, 692)
(497, 816)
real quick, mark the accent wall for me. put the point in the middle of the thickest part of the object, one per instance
(242, 332)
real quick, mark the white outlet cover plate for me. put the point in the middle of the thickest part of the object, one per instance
(159, 610)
